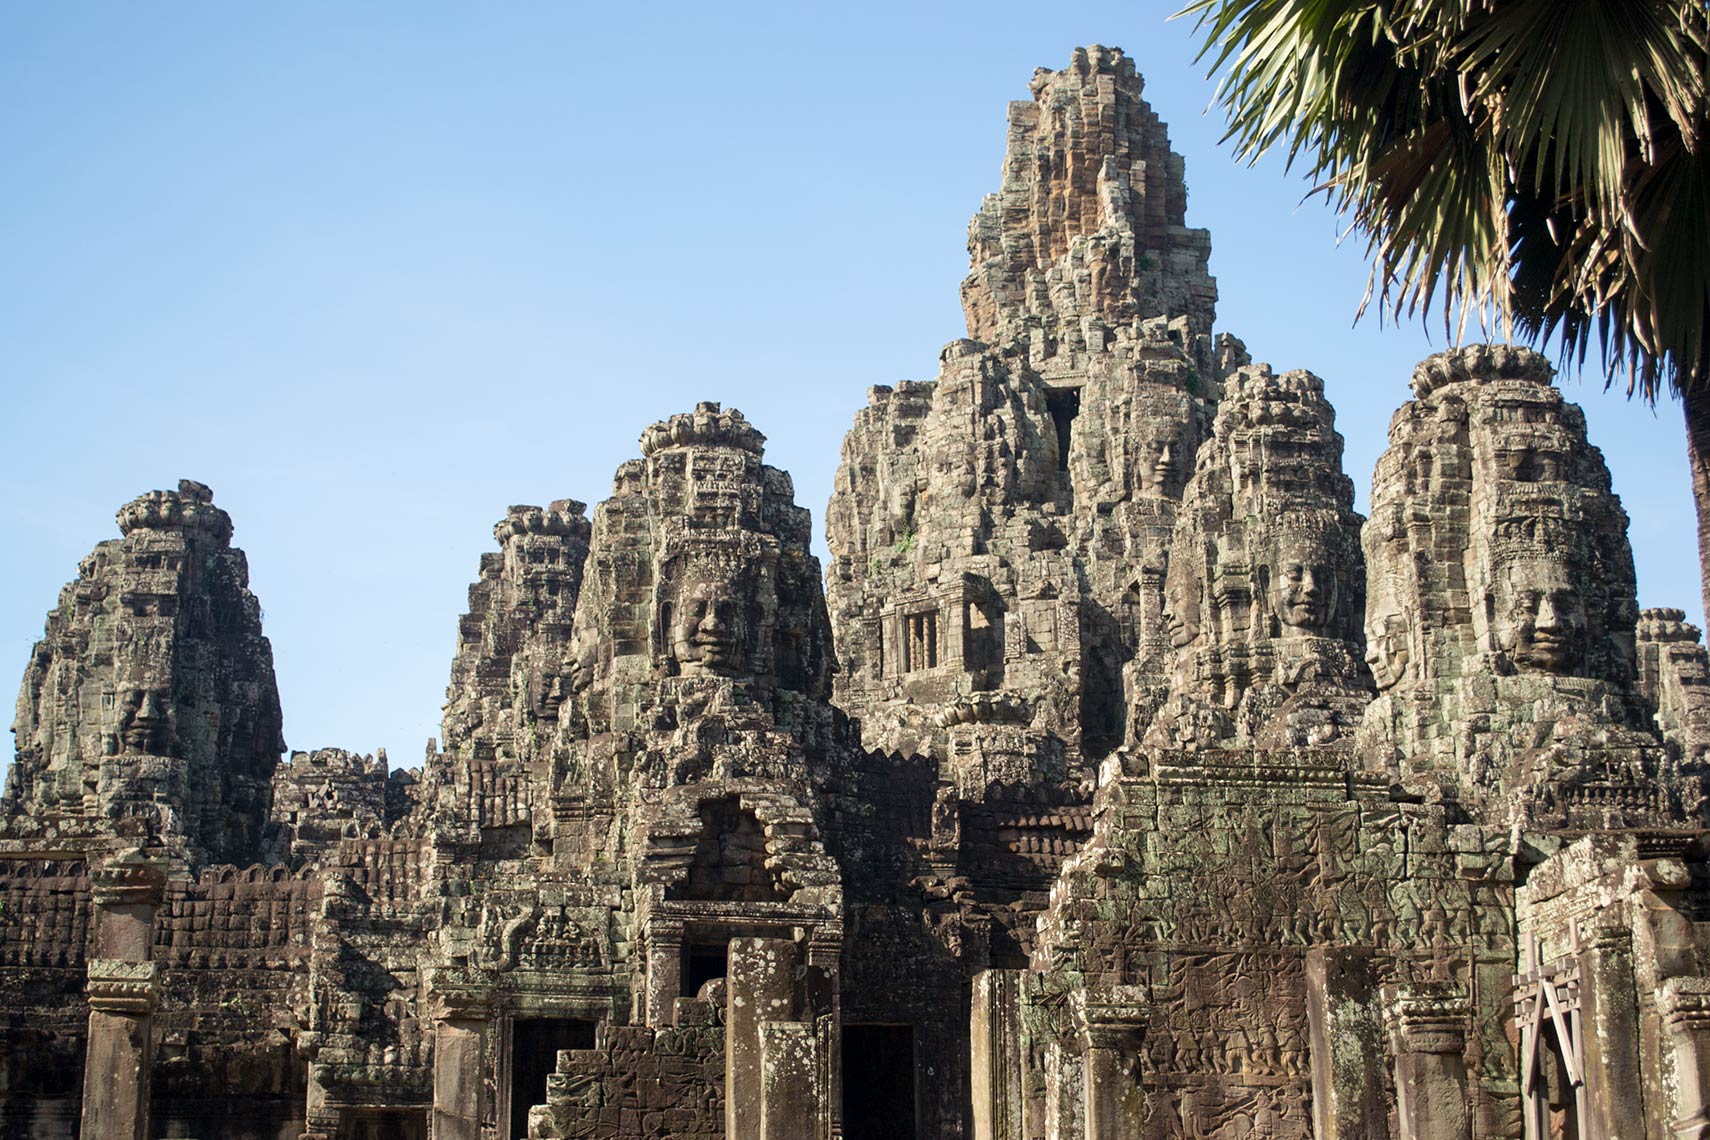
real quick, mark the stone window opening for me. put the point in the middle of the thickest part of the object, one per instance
(920, 641)
(703, 962)
(880, 1085)
(535, 1043)
(729, 863)
(1064, 404)
(982, 642)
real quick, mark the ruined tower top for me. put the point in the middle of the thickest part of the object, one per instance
(189, 509)
(1090, 222)
(709, 425)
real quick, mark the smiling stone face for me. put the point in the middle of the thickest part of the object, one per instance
(1388, 653)
(1304, 591)
(710, 630)
(144, 720)
(1538, 617)
(1162, 466)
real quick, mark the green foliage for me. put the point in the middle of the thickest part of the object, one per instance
(1537, 163)
(903, 545)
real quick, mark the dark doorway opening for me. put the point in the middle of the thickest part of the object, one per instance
(702, 962)
(384, 1124)
(534, 1056)
(1064, 404)
(878, 1082)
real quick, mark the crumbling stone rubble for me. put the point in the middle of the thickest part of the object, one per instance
(1116, 780)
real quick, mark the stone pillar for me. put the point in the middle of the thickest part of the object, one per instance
(789, 1060)
(1427, 1034)
(664, 972)
(1684, 1004)
(462, 1015)
(1609, 1007)
(119, 1063)
(1065, 1093)
(320, 1120)
(760, 987)
(1112, 1025)
(823, 1005)
(1348, 1100)
(995, 1054)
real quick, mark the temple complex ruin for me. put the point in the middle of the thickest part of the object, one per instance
(1116, 779)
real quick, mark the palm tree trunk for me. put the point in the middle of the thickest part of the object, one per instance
(1696, 401)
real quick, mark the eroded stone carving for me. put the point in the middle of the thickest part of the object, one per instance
(1265, 584)
(151, 697)
(1503, 637)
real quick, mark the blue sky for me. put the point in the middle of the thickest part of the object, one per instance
(375, 271)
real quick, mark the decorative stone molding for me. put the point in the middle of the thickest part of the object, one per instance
(1426, 1017)
(707, 426)
(119, 987)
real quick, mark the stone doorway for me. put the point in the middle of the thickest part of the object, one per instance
(879, 1094)
(535, 1043)
(384, 1124)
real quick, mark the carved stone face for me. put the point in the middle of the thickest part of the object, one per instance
(1387, 651)
(1539, 617)
(1303, 586)
(709, 630)
(1161, 466)
(1181, 603)
(584, 655)
(143, 723)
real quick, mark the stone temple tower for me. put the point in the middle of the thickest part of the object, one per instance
(150, 702)
(998, 534)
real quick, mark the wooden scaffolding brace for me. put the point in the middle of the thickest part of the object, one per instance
(1548, 991)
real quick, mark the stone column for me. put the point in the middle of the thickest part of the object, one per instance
(1065, 1093)
(664, 972)
(760, 987)
(1609, 1009)
(1112, 1027)
(119, 1063)
(789, 1059)
(822, 1003)
(995, 1054)
(462, 1015)
(1427, 1034)
(1348, 1100)
(1684, 1004)
(320, 1120)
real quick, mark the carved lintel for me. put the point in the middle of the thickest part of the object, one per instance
(1426, 1017)
(129, 988)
